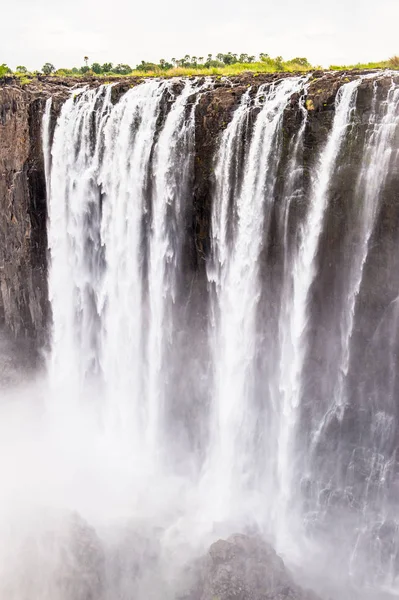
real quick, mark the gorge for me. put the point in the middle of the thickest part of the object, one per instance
(200, 278)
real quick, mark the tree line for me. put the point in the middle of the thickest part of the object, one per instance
(220, 60)
(220, 63)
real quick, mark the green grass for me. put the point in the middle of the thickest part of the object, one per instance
(266, 65)
(234, 69)
(271, 66)
(392, 63)
(227, 70)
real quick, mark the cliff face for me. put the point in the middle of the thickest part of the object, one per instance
(23, 292)
(24, 308)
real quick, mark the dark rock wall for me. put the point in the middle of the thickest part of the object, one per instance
(23, 290)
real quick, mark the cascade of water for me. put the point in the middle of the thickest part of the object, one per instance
(171, 171)
(378, 160)
(284, 463)
(294, 314)
(124, 179)
(238, 287)
(73, 236)
(116, 208)
(46, 140)
(304, 263)
(383, 123)
(227, 178)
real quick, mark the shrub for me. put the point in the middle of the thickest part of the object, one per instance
(4, 70)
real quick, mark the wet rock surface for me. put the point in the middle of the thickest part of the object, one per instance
(244, 568)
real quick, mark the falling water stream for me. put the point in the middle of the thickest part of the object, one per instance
(292, 431)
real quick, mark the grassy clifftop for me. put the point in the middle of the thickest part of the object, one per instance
(223, 65)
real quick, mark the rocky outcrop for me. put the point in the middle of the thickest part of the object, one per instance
(60, 557)
(245, 568)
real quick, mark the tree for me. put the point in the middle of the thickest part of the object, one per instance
(84, 69)
(4, 69)
(96, 67)
(122, 69)
(146, 66)
(229, 58)
(21, 69)
(107, 67)
(300, 60)
(86, 59)
(48, 68)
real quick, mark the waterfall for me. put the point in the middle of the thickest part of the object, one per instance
(174, 148)
(73, 234)
(298, 365)
(243, 204)
(125, 179)
(117, 187)
(375, 167)
(237, 249)
(294, 315)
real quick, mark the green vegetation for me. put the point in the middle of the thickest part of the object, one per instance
(48, 68)
(4, 70)
(392, 63)
(227, 64)
(222, 64)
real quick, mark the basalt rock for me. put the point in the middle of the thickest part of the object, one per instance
(245, 568)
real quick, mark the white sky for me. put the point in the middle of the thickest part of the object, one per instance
(325, 31)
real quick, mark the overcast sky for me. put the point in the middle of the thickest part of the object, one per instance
(325, 31)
